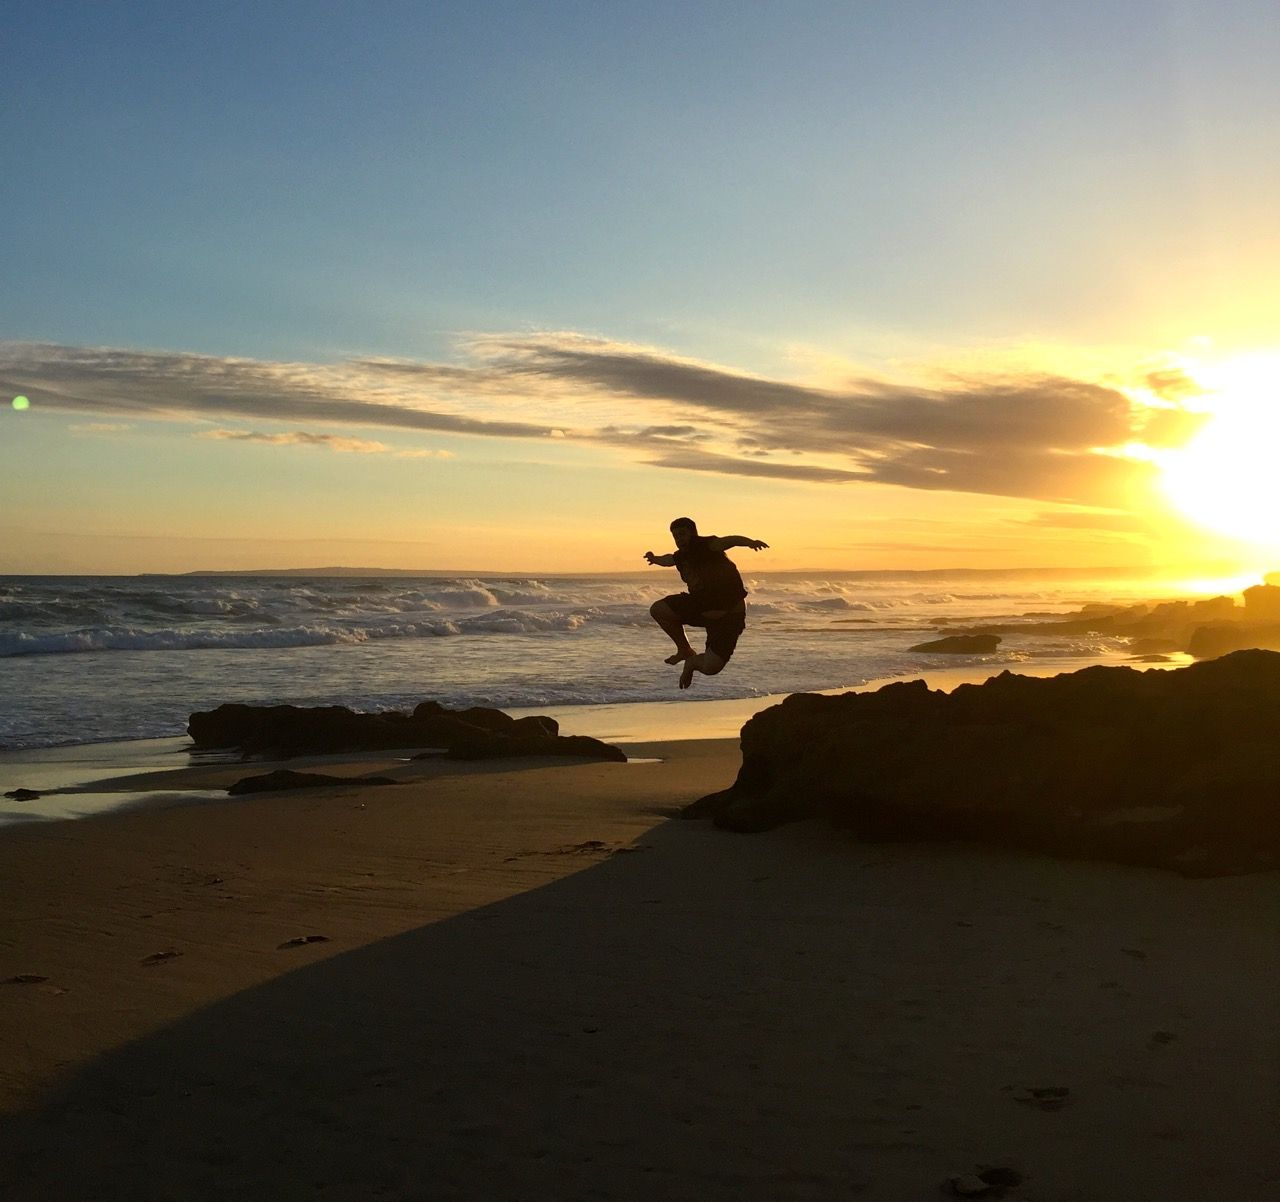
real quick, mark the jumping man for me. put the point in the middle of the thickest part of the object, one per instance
(714, 600)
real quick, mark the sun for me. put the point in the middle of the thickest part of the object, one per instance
(1227, 478)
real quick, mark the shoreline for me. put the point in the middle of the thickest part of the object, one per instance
(81, 780)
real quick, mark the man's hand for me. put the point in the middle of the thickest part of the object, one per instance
(649, 557)
(756, 545)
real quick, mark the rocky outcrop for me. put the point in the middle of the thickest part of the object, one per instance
(1221, 638)
(1172, 623)
(1205, 629)
(1262, 603)
(1177, 769)
(289, 730)
(961, 644)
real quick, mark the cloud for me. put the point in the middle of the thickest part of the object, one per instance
(1173, 384)
(1105, 523)
(1026, 435)
(1171, 427)
(706, 461)
(100, 428)
(357, 446)
(333, 442)
(159, 384)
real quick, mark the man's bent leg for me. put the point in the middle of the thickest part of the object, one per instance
(667, 618)
(708, 663)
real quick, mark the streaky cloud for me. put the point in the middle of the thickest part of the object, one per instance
(706, 461)
(333, 442)
(1030, 436)
(179, 385)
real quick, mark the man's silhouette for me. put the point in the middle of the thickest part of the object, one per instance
(715, 599)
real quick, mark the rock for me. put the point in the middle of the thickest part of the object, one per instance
(1221, 638)
(1163, 626)
(1262, 603)
(474, 733)
(276, 782)
(1152, 646)
(302, 941)
(287, 730)
(22, 794)
(506, 746)
(1174, 769)
(961, 644)
(484, 718)
(26, 978)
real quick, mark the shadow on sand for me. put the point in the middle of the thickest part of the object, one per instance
(706, 1017)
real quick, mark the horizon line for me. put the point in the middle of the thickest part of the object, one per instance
(334, 570)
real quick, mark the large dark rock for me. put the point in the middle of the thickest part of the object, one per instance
(1171, 622)
(286, 730)
(1206, 628)
(1177, 769)
(1221, 638)
(289, 730)
(961, 644)
(1262, 603)
(507, 746)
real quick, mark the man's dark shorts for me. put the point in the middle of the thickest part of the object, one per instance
(722, 633)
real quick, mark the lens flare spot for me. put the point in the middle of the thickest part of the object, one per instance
(20, 403)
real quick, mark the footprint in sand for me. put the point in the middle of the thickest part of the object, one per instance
(302, 941)
(1043, 1097)
(159, 957)
(989, 1181)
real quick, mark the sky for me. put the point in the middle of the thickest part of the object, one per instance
(497, 286)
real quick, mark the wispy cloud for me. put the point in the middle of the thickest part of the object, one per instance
(1021, 435)
(1103, 523)
(100, 428)
(334, 442)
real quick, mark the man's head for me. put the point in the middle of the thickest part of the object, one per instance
(684, 531)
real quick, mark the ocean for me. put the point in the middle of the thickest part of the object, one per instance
(89, 660)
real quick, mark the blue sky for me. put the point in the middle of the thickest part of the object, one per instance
(804, 193)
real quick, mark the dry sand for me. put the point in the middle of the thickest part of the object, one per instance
(534, 985)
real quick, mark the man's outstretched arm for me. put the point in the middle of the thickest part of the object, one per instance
(660, 561)
(738, 540)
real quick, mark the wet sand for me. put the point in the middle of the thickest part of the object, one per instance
(523, 980)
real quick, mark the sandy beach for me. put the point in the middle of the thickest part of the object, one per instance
(525, 980)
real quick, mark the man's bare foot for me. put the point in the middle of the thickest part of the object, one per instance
(686, 677)
(686, 653)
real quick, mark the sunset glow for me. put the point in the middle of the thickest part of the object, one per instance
(1227, 478)
(599, 270)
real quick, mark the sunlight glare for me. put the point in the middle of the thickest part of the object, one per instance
(1227, 478)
